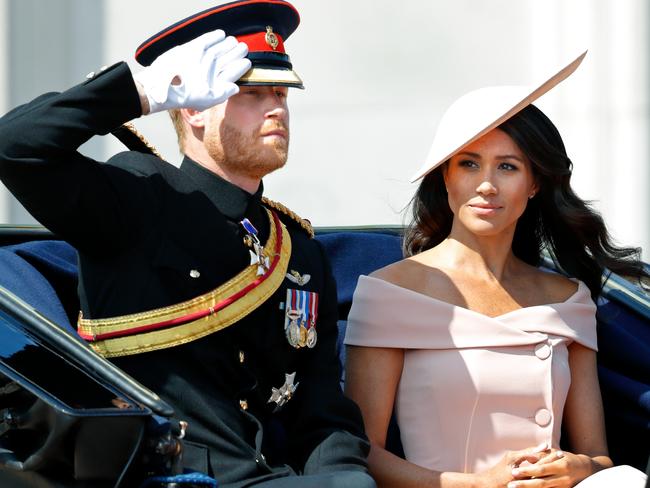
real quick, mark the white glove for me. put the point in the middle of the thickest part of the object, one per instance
(198, 74)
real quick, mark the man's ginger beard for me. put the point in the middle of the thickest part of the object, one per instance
(246, 154)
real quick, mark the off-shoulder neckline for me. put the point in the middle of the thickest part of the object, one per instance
(474, 312)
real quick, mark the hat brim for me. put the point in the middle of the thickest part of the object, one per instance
(271, 76)
(478, 112)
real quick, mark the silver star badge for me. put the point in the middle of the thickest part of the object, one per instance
(283, 394)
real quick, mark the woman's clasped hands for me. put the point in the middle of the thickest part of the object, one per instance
(555, 469)
(539, 467)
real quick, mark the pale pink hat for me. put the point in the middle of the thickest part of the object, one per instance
(478, 112)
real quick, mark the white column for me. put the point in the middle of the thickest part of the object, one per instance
(602, 111)
(626, 200)
(48, 46)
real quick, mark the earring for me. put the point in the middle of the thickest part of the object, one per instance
(531, 196)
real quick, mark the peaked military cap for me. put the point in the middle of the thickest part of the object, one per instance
(263, 25)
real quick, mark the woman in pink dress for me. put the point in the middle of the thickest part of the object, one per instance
(484, 357)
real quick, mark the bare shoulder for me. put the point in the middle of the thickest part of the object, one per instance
(423, 276)
(393, 272)
(555, 287)
(405, 273)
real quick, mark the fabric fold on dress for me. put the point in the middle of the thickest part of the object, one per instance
(378, 318)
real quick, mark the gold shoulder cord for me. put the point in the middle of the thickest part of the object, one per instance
(304, 223)
(131, 128)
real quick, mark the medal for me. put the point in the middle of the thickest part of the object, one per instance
(291, 323)
(311, 337)
(294, 334)
(303, 335)
(300, 318)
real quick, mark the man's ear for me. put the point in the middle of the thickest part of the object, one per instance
(195, 118)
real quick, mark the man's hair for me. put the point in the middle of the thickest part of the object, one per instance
(177, 121)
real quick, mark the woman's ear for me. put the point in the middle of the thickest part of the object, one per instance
(444, 169)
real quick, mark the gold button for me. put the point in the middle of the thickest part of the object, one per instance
(243, 404)
(242, 357)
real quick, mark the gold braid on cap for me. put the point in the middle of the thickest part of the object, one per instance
(304, 223)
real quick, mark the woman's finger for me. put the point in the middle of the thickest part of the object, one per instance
(548, 466)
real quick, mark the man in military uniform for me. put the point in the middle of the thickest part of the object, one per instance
(190, 280)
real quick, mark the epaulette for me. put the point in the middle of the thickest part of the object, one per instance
(133, 140)
(304, 223)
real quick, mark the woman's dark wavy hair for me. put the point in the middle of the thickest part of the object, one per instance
(556, 219)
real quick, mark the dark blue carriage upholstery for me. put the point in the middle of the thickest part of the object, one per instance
(44, 274)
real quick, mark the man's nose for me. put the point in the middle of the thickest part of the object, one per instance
(277, 110)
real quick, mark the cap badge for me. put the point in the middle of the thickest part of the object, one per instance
(270, 38)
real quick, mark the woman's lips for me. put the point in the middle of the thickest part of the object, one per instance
(484, 209)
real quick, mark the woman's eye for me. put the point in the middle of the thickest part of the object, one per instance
(467, 163)
(508, 166)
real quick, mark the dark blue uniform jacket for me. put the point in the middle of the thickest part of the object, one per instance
(141, 226)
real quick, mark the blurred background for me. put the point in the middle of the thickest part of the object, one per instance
(379, 74)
